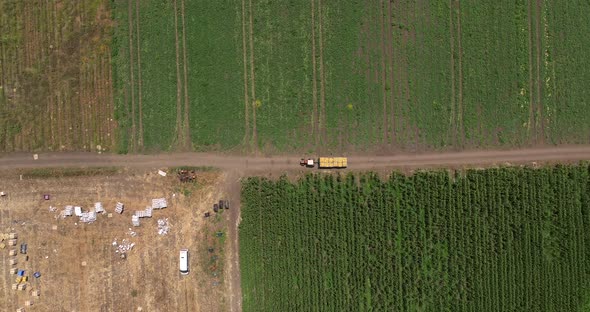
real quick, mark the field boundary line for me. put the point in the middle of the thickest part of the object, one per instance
(139, 98)
(246, 85)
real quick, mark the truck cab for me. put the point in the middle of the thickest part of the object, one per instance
(309, 162)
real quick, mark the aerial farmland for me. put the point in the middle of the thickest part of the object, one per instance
(373, 155)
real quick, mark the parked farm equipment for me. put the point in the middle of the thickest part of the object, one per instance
(187, 175)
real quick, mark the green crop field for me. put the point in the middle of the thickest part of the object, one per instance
(364, 75)
(292, 75)
(510, 239)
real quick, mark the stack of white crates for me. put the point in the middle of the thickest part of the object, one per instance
(119, 208)
(135, 220)
(68, 211)
(78, 211)
(147, 213)
(98, 207)
(159, 203)
(88, 217)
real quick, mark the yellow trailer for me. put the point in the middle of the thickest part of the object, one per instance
(332, 162)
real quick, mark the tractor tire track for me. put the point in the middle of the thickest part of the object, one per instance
(390, 58)
(131, 75)
(187, 138)
(532, 119)
(452, 121)
(384, 49)
(322, 117)
(139, 94)
(402, 68)
(314, 117)
(246, 85)
(541, 126)
(254, 143)
(111, 124)
(460, 82)
(179, 127)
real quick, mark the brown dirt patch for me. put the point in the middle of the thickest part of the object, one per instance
(149, 278)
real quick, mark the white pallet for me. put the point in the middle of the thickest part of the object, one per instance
(159, 203)
(68, 211)
(98, 207)
(119, 208)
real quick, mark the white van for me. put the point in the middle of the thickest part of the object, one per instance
(184, 261)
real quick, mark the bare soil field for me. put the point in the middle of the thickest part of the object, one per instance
(81, 270)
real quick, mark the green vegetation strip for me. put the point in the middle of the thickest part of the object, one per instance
(510, 239)
(67, 172)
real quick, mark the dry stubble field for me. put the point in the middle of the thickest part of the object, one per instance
(148, 280)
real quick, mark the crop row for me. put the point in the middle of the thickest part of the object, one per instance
(511, 239)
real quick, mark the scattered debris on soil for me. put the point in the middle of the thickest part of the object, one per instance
(131, 233)
(163, 227)
(124, 246)
(187, 176)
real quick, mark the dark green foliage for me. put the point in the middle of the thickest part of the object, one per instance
(510, 239)
(41, 173)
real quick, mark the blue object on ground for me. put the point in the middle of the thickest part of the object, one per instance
(37, 274)
(21, 272)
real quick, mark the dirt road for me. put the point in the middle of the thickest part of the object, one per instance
(279, 163)
(236, 167)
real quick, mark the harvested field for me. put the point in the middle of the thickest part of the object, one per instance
(55, 75)
(80, 269)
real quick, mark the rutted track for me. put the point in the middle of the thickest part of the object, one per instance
(281, 163)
